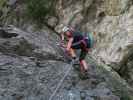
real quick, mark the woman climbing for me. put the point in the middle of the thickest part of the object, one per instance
(77, 40)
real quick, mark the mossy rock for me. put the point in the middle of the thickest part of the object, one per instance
(2, 3)
(39, 9)
(24, 48)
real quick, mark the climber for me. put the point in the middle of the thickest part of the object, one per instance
(77, 40)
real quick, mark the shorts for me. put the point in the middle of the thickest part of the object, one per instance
(84, 48)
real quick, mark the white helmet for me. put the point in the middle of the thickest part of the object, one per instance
(65, 29)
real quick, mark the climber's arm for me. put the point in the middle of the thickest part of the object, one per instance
(69, 44)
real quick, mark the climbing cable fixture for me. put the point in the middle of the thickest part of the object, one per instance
(61, 81)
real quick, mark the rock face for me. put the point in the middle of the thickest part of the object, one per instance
(20, 78)
(26, 76)
(126, 65)
(32, 60)
(114, 33)
(110, 19)
(116, 7)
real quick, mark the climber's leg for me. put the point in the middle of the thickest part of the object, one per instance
(83, 64)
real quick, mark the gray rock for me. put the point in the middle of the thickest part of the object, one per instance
(52, 21)
(20, 75)
(11, 2)
(112, 97)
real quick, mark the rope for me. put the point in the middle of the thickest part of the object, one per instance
(61, 81)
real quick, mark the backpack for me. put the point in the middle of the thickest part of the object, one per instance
(89, 36)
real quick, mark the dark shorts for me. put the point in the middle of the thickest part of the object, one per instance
(84, 48)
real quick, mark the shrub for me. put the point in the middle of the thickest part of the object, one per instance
(2, 3)
(39, 9)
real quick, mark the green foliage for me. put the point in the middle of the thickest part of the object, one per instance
(2, 3)
(39, 9)
(125, 98)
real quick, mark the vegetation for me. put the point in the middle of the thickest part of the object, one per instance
(2, 3)
(39, 9)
